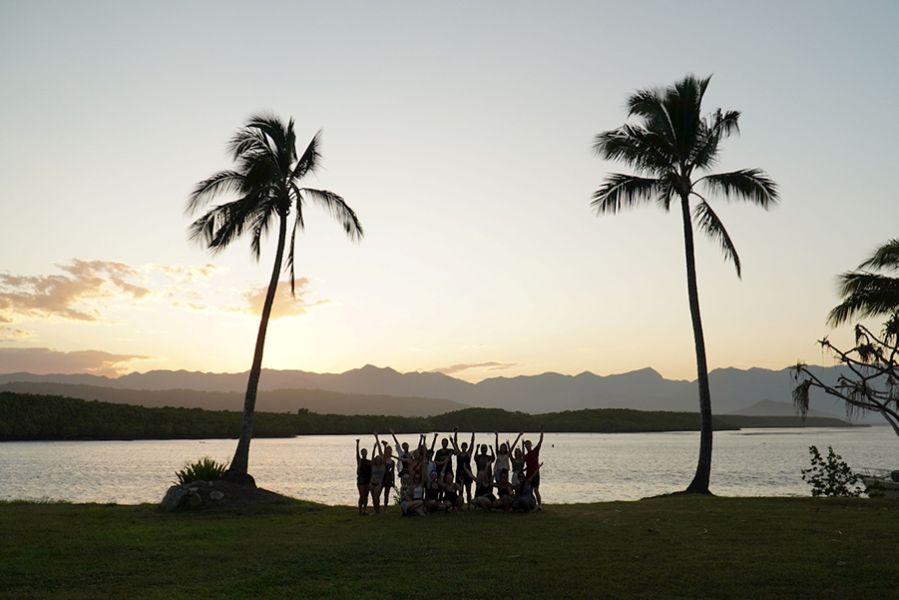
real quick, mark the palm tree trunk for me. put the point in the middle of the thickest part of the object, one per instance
(237, 472)
(700, 483)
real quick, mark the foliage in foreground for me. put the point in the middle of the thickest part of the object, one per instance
(205, 469)
(830, 476)
(781, 548)
(870, 382)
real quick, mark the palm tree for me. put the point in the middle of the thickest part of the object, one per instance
(266, 180)
(670, 143)
(868, 293)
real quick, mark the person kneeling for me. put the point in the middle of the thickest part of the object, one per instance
(525, 500)
(412, 493)
(432, 494)
(483, 492)
(505, 491)
(452, 492)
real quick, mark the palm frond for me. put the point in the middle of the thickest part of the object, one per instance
(225, 223)
(725, 123)
(707, 220)
(638, 147)
(885, 257)
(718, 126)
(222, 182)
(272, 128)
(866, 295)
(339, 209)
(620, 191)
(248, 141)
(309, 161)
(649, 106)
(298, 225)
(683, 103)
(752, 185)
(260, 226)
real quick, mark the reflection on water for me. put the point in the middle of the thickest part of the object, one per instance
(578, 467)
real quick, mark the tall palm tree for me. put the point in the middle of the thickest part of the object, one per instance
(266, 180)
(868, 293)
(670, 143)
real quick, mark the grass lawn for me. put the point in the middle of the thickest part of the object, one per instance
(677, 547)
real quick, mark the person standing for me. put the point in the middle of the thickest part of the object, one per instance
(389, 471)
(463, 463)
(363, 477)
(443, 458)
(378, 472)
(532, 466)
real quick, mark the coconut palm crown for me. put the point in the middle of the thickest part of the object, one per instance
(672, 147)
(267, 180)
(870, 291)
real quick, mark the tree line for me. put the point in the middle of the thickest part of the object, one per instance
(45, 417)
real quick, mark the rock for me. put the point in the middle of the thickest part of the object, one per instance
(216, 495)
(194, 500)
(174, 498)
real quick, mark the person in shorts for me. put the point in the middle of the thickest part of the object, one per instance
(532, 466)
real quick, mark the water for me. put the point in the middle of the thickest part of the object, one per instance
(578, 467)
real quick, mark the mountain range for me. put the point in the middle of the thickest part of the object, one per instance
(375, 390)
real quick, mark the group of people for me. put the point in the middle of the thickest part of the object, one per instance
(505, 476)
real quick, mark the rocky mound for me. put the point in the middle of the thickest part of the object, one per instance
(200, 495)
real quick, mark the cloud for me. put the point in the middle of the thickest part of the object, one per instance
(69, 295)
(188, 273)
(44, 361)
(489, 365)
(286, 305)
(13, 334)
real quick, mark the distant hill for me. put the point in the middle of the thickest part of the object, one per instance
(771, 408)
(733, 390)
(274, 401)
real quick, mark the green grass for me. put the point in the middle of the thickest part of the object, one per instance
(677, 547)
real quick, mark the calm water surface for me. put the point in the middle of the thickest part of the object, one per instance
(578, 467)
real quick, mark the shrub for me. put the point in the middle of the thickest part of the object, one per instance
(205, 469)
(830, 476)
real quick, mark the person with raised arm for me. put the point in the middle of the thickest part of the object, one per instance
(463, 463)
(378, 472)
(503, 456)
(430, 467)
(414, 462)
(389, 473)
(484, 461)
(524, 492)
(363, 477)
(403, 455)
(532, 464)
(444, 457)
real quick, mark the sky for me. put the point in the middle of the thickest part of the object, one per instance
(461, 134)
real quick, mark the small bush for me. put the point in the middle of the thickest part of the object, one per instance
(830, 476)
(205, 469)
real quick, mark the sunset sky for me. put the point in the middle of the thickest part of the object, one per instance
(461, 133)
